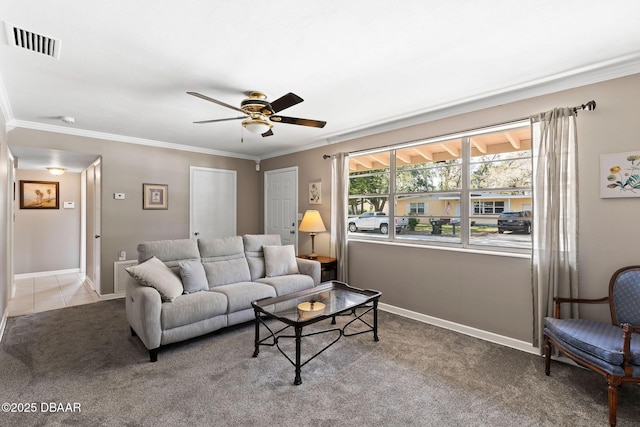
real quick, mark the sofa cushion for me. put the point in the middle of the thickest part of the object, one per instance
(280, 260)
(194, 279)
(155, 274)
(170, 252)
(601, 340)
(287, 284)
(253, 249)
(192, 308)
(240, 295)
(224, 261)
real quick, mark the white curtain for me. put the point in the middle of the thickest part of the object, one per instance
(339, 207)
(555, 213)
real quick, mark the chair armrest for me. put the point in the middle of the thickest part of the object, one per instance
(626, 347)
(560, 300)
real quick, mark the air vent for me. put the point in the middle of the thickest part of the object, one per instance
(34, 42)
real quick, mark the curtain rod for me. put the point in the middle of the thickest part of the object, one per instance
(589, 106)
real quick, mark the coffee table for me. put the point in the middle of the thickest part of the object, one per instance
(325, 301)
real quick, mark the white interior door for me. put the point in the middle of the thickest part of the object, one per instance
(281, 204)
(213, 203)
(91, 225)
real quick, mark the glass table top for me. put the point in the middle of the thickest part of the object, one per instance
(323, 300)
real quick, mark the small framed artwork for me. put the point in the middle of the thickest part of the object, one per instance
(39, 194)
(315, 193)
(620, 175)
(155, 196)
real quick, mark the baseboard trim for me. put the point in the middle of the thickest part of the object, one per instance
(106, 297)
(463, 329)
(45, 273)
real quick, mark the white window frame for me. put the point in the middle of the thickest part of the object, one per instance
(466, 208)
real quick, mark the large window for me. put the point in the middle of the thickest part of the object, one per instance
(451, 190)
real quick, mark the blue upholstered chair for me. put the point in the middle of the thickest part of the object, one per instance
(613, 350)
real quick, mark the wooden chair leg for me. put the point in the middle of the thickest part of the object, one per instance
(153, 354)
(614, 383)
(547, 357)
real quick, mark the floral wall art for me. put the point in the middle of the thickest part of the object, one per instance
(315, 193)
(620, 175)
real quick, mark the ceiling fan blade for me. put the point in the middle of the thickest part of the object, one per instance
(220, 120)
(268, 133)
(285, 101)
(215, 101)
(298, 121)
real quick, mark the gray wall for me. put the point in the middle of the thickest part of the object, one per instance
(48, 239)
(124, 168)
(493, 293)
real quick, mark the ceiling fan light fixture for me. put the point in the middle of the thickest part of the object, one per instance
(257, 126)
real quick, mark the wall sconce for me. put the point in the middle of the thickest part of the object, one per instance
(56, 171)
(312, 224)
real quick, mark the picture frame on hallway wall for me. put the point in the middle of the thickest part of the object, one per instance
(39, 194)
(155, 196)
(315, 193)
(620, 175)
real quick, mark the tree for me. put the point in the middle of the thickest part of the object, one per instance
(367, 184)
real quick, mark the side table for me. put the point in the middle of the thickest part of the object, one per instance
(328, 267)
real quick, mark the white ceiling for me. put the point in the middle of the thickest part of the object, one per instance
(362, 65)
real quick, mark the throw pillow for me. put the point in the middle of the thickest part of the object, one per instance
(155, 274)
(194, 279)
(280, 260)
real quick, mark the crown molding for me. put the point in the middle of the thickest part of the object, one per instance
(591, 74)
(126, 139)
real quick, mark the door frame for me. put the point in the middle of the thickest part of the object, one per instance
(267, 174)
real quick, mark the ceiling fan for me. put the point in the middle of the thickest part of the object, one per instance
(260, 113)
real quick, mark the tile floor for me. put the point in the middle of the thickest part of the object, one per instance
(49, 293)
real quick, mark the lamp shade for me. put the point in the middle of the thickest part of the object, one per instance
(312, 222)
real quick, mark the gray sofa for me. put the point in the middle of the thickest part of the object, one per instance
(186, 287)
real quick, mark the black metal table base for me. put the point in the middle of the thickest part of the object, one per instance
(273, 337)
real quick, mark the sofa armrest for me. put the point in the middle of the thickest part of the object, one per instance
(310, 268)
(143, 308)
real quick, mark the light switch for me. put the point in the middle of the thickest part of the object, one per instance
(69, 205)
(123, 256)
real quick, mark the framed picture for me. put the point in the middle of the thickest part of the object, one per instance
(315, 193)
(620, 175)
(39, 194)
(155, 196)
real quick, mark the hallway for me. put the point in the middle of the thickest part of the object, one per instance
(44, 293)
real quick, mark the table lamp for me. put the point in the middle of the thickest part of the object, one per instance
(312, 224)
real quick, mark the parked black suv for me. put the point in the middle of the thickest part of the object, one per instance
(515, 221)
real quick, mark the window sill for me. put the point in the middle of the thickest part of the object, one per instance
(517, 253)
